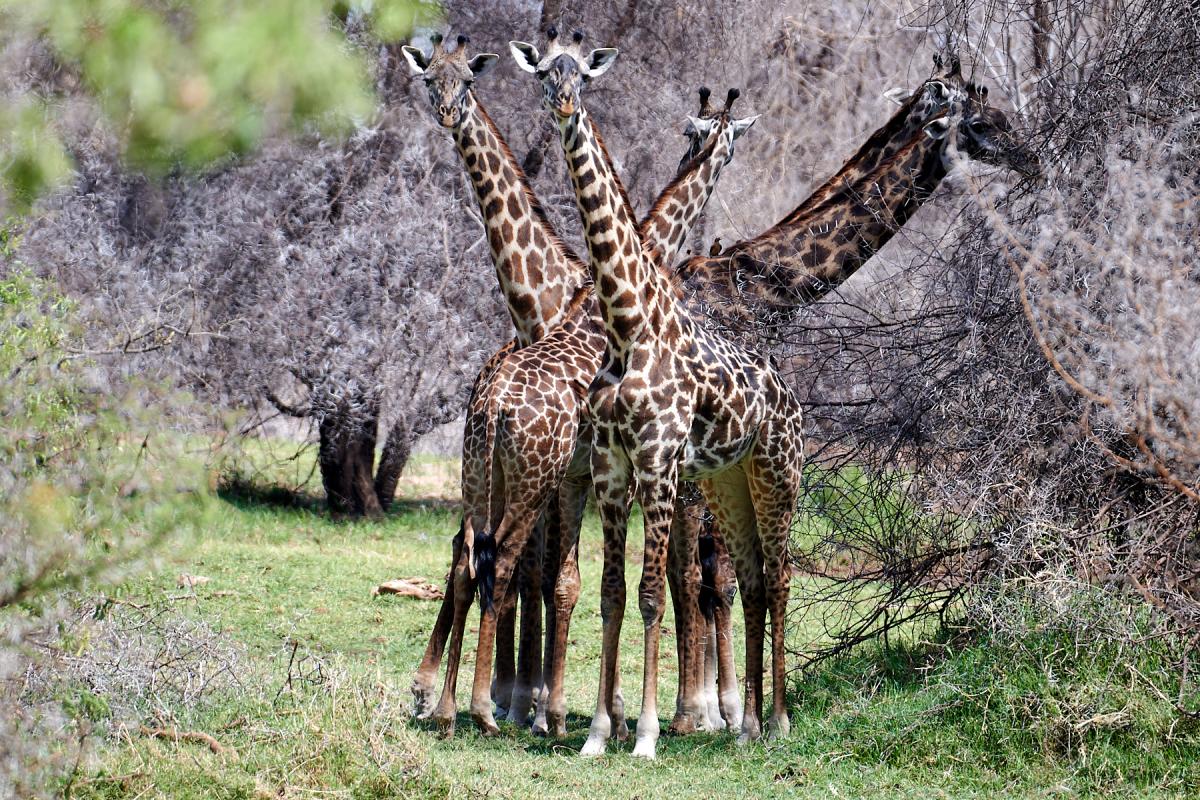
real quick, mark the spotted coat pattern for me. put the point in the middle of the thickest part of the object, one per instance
(829, 236)
(532, 451)
(671, 401)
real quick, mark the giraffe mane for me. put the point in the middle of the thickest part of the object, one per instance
(873, 142)
(535, 204)
(616, 177)
(691, 166)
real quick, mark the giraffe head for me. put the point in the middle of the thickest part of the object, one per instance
(563, 70)
(985, 134)
(448, 77)
(942, 92)
(711, 123)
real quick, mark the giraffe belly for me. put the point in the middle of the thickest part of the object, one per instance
(707, 459)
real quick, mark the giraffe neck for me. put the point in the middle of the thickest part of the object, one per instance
(629, 288)
(667, 225)
(880, 146)
(538, 274)
(799, 262)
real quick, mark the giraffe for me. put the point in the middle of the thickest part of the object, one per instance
(449, 76)
(537, 273)
(536, 397)
(671, 400)
(715, 283)
(831, 234)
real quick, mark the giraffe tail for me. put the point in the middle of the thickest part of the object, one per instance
(485, 540)
(709, 598)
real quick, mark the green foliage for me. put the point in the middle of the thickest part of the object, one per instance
(89, 477)
(92, 481)
(186, 83)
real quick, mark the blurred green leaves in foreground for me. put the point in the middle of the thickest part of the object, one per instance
(186, 82)
(92, 476)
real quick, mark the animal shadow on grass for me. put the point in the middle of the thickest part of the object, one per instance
(577, 732)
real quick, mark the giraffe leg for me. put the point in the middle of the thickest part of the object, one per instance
(529, 663)
(656, 493)
(729, 698)
(707, 647)
(506, 609)
(426, 677)
(611, 477)
(684, 578)
(774, 482)
(464, 587)
(711, 699)
(681, 723)
(729, 499)
(551, 540)
(506, 665)
(553, 710)
(511, 537)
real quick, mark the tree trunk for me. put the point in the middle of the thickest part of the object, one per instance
(346, 456)
(392, 461)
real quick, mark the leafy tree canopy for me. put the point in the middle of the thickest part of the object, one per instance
(187, 82)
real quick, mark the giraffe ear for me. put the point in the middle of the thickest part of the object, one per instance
(697, 128)
(943, 94)
(525, 54)
(740, 126)
(482, 63)
(898, 95)
(937, 129)
(415, 58)
(598, 61)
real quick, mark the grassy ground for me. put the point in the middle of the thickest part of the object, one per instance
(319, 705)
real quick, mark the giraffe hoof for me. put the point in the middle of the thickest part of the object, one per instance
(731, 711)
(423, 704)
(445, 728)
(622, 731)
(556, 724)
(443, 716)
(713, 721)
(522, 704)
(682, 725)
(778, 728)
(539, 728)
(594, 746)
(486, 723)
(644, 747)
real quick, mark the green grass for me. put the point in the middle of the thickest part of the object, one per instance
(923, 722)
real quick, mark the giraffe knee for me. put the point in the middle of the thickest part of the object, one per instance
(566, 590)
(611, 604)
(650, 603)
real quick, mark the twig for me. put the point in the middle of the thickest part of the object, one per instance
(196, 737)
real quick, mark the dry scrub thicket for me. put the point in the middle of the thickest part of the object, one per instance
(1007, 418)
(92, 480)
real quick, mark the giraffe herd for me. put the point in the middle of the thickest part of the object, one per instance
(622, 379)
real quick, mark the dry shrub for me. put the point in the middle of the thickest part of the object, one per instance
(1015, 399)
